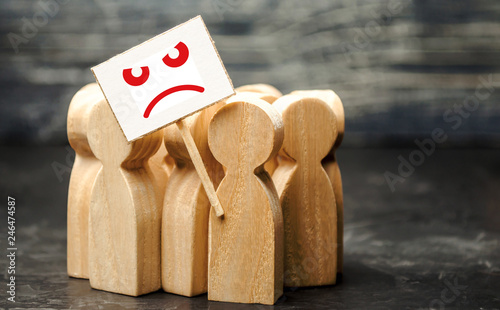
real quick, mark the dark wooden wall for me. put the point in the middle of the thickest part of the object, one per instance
(398, 65)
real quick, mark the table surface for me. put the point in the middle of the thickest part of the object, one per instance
(432, 243)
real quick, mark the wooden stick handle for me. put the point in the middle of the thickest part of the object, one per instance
(200, 167)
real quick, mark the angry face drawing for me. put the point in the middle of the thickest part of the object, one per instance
(163, 79)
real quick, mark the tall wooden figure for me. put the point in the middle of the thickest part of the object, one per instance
(186, 210)
(82, 178)
(246, 244)
(125, 215)
(306, 193)
(330, 163)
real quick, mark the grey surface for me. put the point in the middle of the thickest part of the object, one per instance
(398, 65)
(403, 249)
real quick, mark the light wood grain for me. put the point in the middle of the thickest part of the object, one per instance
(160, 169)
(331, 165)
(82, 178)
(186, 210)
(306, 193)
(200, 167)
(125, 215)
(161, 164)
(270, 94)
(246, 244)
(169, 163)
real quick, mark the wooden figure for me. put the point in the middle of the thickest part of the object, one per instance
(82, 178)
(125, 215)
(306, 193)
(270, 94)
(331, 165)
(246, 244)
(186, 210)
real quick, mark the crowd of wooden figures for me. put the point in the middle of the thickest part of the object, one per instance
(139, 218)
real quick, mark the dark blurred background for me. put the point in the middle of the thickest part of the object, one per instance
(402, 68)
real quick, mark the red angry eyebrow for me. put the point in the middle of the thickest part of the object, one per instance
(181, 59)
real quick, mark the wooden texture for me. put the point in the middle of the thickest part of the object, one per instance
(200, 167)
(169, 164)
(270, 94)
(306, 193)
(125, 215)
(82, 178)
(246, 244)
(161, 164)
(331, 165)
(160, 168)
(186, 210)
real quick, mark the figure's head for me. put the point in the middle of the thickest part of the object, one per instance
(310, 127)
(246, 132)
(78, 117)
(110, 145)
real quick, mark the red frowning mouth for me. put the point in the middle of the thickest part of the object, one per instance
(169, 91)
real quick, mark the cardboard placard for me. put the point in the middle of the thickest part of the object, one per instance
(164, 79)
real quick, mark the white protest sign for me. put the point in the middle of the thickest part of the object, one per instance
(164, 79)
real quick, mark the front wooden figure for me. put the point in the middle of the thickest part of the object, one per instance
(246, 244)
(125, 215)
